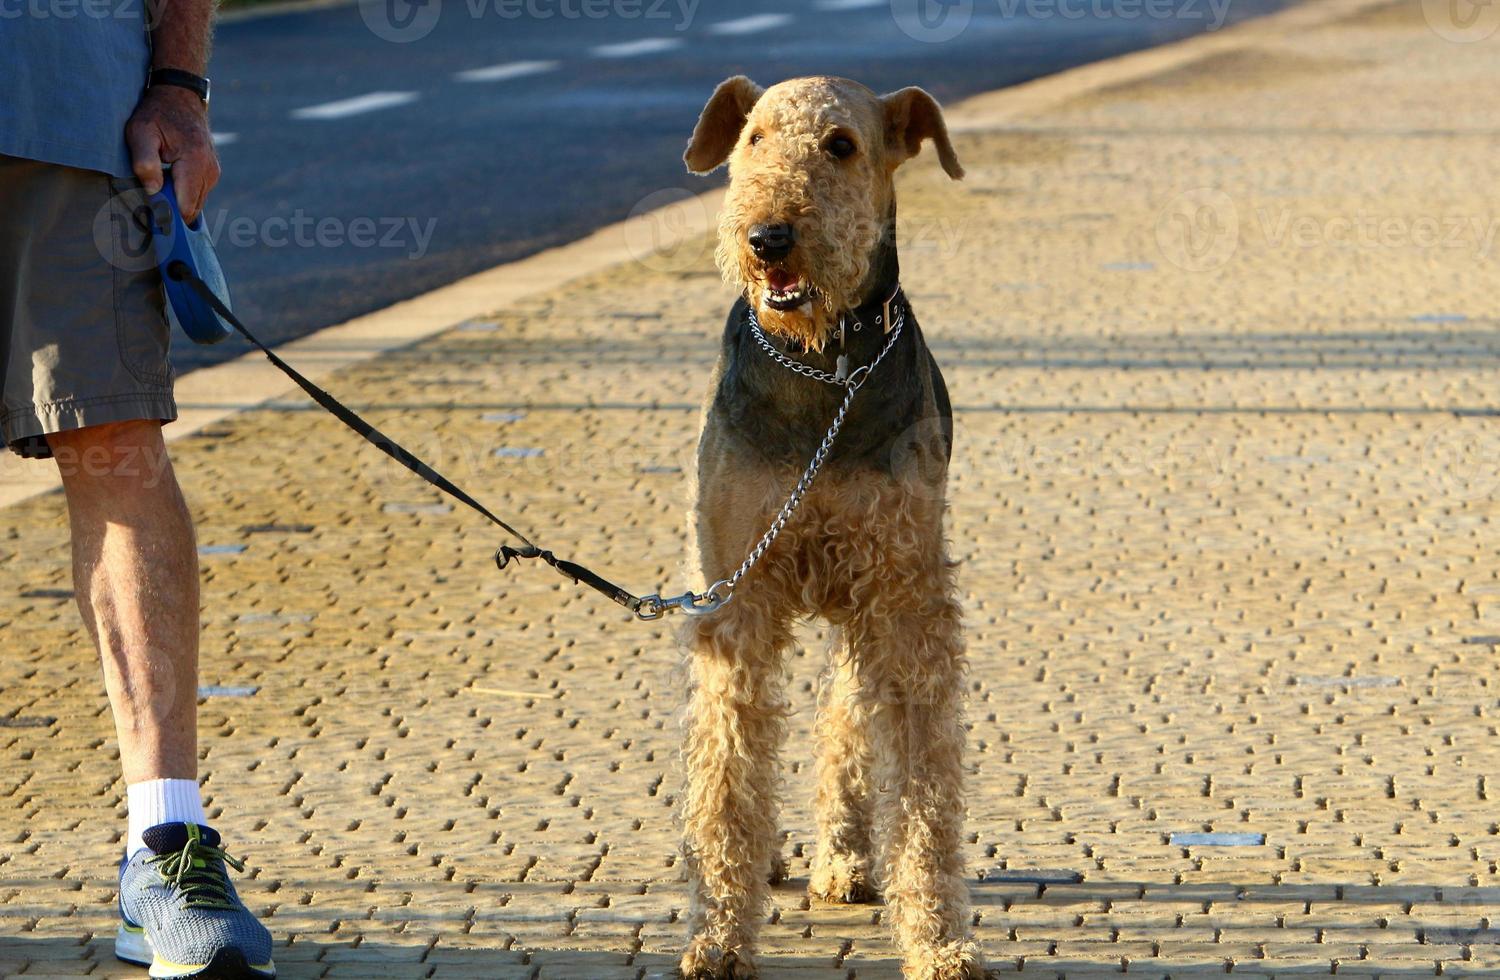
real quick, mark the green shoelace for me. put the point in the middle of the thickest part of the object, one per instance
(195, 872)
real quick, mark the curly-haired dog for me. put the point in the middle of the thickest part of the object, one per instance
(808, 234)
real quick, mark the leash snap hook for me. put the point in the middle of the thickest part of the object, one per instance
(653, 607)
(716, 598)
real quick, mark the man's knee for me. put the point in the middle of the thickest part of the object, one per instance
(118, 455)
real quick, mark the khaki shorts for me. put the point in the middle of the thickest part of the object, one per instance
(83, 332)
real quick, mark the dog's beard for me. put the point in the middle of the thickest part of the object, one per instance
(814, 320)
(811, 323)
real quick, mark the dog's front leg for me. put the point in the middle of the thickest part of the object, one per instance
(910, 652)
(736, 722)
(841, 865)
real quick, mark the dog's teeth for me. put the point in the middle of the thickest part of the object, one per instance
(805, 308)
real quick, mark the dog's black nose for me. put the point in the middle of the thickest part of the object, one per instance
(771, 242)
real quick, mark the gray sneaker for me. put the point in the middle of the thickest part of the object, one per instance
(181, 916)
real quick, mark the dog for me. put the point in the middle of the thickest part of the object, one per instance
(807, 233)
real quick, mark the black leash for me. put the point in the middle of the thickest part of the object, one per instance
(649, 607)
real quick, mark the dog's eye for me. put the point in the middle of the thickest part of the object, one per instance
(841, 147)
(755, 139)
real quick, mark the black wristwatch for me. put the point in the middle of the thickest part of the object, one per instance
(196, 84)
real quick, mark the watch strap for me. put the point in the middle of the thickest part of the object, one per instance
(196, 84)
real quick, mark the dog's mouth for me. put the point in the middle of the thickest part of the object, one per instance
(785, 290)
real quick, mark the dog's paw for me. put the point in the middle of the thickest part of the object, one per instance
(841, 880)
(707, 961)
(951, 961)
(779, 872)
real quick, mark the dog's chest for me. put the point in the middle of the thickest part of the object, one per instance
(853, 523)
(782, 417)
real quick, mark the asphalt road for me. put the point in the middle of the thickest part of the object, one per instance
(375, 151)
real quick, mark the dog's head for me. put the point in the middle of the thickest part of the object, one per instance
(811, 192)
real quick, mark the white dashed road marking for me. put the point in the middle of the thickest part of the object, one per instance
(750, 25)
(353, 107)
(630, 49)
(505, 72)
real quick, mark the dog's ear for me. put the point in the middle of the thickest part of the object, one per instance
(911, 116)
(720, 124)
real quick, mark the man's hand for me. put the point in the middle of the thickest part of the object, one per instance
(170, 125)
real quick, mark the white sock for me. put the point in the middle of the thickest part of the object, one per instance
(161, 801)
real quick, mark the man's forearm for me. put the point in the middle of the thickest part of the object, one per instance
(180, 34)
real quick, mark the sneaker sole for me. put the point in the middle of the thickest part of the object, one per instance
(132, 946)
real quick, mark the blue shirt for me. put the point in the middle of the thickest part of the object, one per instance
(71, 72)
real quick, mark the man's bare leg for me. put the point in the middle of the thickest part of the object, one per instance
(135, 568)
(135, 571)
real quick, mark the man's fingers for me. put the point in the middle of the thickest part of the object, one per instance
(194, 175)
(145, 154)
(189, 196)
(188, 181)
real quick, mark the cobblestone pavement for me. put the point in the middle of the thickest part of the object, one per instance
(1224, 348)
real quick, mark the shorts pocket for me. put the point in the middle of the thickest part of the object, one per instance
(141, 325)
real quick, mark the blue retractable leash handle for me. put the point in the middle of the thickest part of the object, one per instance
(198, 302)
(184, 250)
